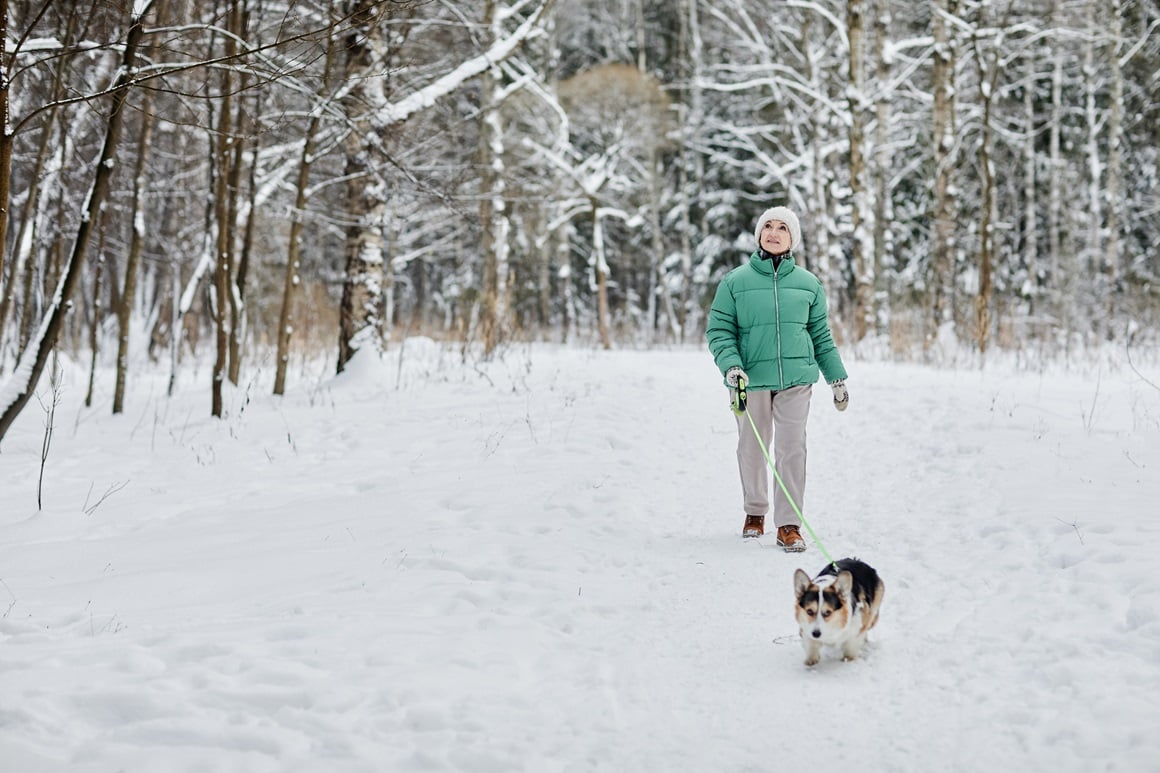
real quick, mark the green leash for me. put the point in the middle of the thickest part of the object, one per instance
(739, 405)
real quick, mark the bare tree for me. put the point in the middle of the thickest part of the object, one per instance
(940, 279)
(223, 287)
(6, 139)
(291, 279)
(988, 65)
(493, 209)
(1113, 258)
(862, 257)
(883, 155)
(16, 393)
(1062, 277)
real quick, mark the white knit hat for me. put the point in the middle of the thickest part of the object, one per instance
(785, 215)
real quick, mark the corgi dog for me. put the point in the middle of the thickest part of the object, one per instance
(837, 607)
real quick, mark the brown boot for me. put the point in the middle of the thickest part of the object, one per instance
(754, 526)
(790, 539)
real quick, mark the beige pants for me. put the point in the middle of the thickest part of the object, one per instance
(780, 416)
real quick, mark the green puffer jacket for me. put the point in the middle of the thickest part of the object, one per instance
(775, 328)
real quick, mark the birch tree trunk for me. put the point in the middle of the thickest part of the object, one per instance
(940, 279)
(361, 313)
(691, 170)
(883, 158)
(862, 257)
(658, 282)
(987, 64)
(600, 267)
(987, 205)
(822, 247)
(1030, 195)
(569, 303)
(1093, 117)
(1113, 187)
(1060, 279)
(493, 215)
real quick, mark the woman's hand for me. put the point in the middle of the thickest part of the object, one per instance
(841, 395)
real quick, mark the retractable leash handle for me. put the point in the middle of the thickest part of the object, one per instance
(739, 397)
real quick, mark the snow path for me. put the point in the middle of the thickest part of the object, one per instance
(539, 569)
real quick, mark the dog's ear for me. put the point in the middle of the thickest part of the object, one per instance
(801, 581)
(845, 582)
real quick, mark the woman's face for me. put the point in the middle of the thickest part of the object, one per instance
(775, 237)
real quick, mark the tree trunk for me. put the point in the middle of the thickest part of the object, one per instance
(940, 278)
(600, 266)
(567, 288)
(1113, 187)
(691, 170)
(986, 234)
(988, 68)
(290, 281)
(1030, 195)
(6, 139)
(883, 158)
(133, 261)
(361, 317)
(493, 215)
(238, 259)
(658, 279)
(95, 320)
(1060, 280)
(820, 217)
(223, 247)
(1094, 116)
(861, 257)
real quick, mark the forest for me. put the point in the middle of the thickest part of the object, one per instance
(249, 182)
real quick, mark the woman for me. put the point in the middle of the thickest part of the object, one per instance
(769, 331)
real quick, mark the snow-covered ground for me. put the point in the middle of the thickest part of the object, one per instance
(535, 565)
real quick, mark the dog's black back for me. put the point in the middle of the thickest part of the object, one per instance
(866, 581)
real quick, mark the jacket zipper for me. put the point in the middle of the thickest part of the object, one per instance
(777, 322)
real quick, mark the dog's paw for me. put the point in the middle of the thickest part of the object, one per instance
(852, 651)
(812, 660)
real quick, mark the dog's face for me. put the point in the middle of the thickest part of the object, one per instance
(823, 611)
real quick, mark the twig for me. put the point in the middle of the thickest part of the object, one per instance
(1075, 526)
(1128, 352)
(1089, 419)
(14, 600)
(113, 489)
(49, 425)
